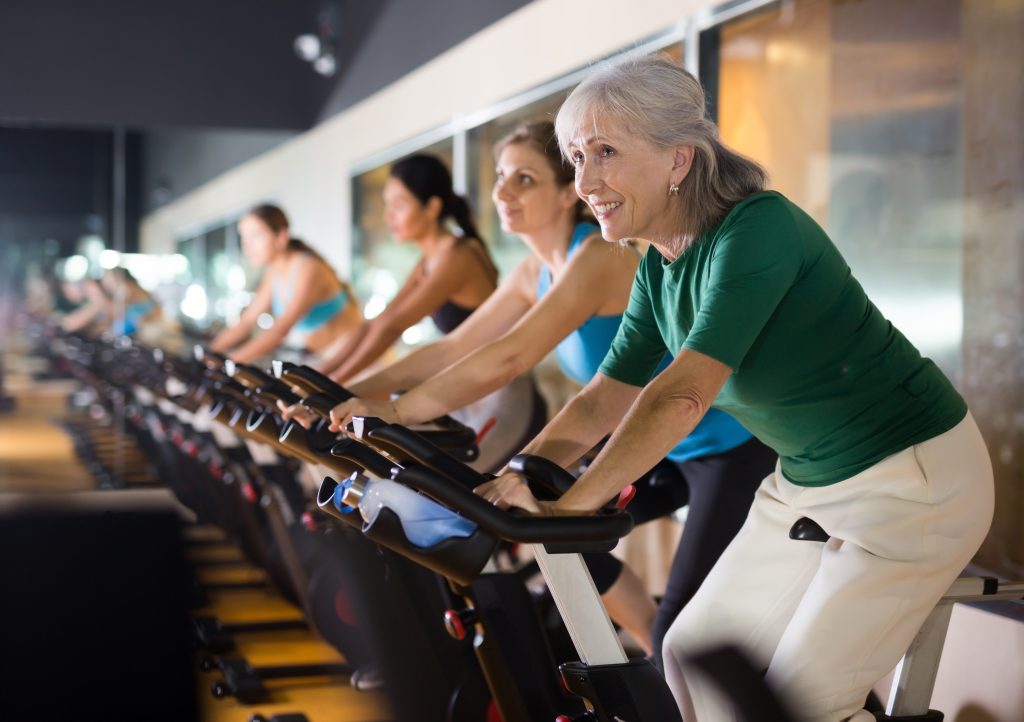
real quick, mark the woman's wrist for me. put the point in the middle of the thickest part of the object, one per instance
(397, 411)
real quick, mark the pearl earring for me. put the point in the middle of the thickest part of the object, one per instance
(673, 190)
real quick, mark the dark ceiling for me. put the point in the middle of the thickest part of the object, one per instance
(197, 87)
(220, 63)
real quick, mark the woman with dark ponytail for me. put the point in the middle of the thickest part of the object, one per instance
(454, 276)
(310, 304)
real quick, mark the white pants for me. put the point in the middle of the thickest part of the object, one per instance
(829, 620)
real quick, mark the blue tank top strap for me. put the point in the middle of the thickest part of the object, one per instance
(277, 302)
(581, 352)
(581, 231)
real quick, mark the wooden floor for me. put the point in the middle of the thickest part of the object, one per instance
(37, 456)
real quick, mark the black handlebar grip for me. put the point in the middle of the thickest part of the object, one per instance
(364, 456)
(601, 527)
(250, 375)
(319, 404)
(210, 359)
(265, 385)
(544, 472)
(422, 450)
(311, 382)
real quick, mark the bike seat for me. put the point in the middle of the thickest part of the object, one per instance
(805, 529)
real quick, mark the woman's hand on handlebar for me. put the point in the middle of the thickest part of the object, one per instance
(297, 413)
(511, 489)
(341, 415)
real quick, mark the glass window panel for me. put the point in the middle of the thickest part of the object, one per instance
(897, 126)
(215, 266)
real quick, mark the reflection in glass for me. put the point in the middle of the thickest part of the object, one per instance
(854, 110)
(897, 126)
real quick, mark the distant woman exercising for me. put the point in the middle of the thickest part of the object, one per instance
(311, 306)
(454, 276)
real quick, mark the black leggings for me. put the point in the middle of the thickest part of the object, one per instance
(719, 489)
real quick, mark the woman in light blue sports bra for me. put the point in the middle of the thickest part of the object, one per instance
(569, 296)
(131, 306)
(311, 306)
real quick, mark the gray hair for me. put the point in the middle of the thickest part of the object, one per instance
(661, 102)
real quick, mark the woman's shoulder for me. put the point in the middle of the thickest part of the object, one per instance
(764, 214)
(595, 255)
(768, 202)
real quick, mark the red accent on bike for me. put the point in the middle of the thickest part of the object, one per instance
(308, 521)
(486, 429)
(625, 496)
(250, 493)
(493, 715)
(343, 608)
(453, 623)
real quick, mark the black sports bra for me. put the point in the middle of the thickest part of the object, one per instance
(449, 315)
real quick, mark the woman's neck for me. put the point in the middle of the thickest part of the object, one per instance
(551, 243)
(674, 247)
(432, 242)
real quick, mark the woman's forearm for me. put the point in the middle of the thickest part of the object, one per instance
(377, 339)
(655, 424)
(263, 345)
(407, 372)
(486, 370)
(229, 338)
(574, 431)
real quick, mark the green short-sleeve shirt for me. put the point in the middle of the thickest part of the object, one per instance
(819, 375)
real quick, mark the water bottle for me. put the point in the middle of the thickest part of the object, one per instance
(424, 521)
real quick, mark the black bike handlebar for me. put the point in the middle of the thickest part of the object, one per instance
(310, 381)
(516, 527)
(422, 450)
(543, 471)
(271, 388)
(210, 359)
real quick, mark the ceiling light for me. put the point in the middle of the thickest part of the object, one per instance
(307, 47)
(325, 65)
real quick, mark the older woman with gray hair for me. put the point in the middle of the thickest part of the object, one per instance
(766, 322)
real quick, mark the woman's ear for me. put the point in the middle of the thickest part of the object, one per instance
(682, 161)
(567, 195)
(433, 207)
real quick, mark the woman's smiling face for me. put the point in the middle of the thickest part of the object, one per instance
(526, 192)
(625, 180)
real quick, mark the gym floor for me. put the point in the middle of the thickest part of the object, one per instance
(37, 456)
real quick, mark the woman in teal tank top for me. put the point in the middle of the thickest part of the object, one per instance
(133, 308)
(312, 308)
(569, 296)
(765, 320)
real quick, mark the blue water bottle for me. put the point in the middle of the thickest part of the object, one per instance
(424, 521)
